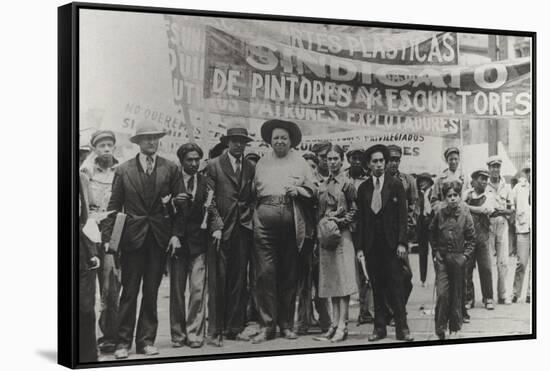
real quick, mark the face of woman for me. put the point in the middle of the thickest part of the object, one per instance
(280, 141)
(334, 161)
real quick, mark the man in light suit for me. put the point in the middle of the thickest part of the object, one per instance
(139, 187)
(382, 210)
(231, 177)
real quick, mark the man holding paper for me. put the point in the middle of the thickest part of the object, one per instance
(140, 187)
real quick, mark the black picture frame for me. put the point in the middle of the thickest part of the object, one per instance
(68, 142)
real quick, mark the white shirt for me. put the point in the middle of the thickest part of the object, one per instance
(233, 161)
(520, 197)
(143, 161)
(186, 178)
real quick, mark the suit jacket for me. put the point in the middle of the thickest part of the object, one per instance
(86, 248)
(393, 213)
(128, 196)
(234, 200)
(189, 216)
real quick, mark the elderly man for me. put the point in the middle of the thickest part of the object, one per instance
(382, 226)
(99, 171)
(230, 177)
(140, 187)
(498, 234)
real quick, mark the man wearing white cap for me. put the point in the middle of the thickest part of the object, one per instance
(498, 234)
(140, 187)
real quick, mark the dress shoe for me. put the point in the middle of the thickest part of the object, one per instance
(489, 304)
(440, 335)
(106, 347)
(504, 301)
(178, 343)
(289, 334)
(262, 336)
(466, 318)
(514, 299)
(405, 336)
(241, 336)
(121, 353)
(215, 340)
(340, 335)
(327, 335)
(375, 336)
(527, 299)
(148, 350)
(194, 344)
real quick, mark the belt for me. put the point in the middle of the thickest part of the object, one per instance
(275, 200)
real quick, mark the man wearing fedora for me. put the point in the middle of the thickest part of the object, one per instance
(382, 226)
(100, 171)
(230, 176)
(498, 234)
(139, 187)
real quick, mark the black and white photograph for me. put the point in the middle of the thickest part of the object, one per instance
(248, 184)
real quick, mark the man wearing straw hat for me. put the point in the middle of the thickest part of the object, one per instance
(140, 187)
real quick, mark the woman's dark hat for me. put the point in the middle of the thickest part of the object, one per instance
(291, 127)
(377, 148)
(426, 176)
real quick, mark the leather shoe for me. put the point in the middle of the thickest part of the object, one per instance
(262, 336)
(216, 341)
(121, 353)
(514, 299)
(405, 336)
(178, 343)
(194, 344)
(504, 301)
(440, 335)
(241, 336)
(489, 305)
(375, 336)
(289, 334)
(148, 350)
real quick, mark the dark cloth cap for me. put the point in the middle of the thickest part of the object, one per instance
(292, 128)
(395, 151)
(478, 172)
(321, 146)
(426, 176)
(102, 134)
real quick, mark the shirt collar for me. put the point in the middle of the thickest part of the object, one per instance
(233, 159)
(187, 176)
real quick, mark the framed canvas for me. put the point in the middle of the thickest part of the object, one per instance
(243, 185)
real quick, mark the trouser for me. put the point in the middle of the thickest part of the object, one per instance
(498, 244)
(190, 327)
(146, 265)
(227, 274)
(87, 346)
(275, 261)
(482, 257)
(308, 279)
(449, 279)
(423, 247)
(386, 271)
(109, 276)
(407, 286)
(366, 300)
(523, 264)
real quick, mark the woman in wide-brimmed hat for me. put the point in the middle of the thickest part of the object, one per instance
(283, 182)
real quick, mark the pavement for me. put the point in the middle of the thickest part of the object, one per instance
(514, 319)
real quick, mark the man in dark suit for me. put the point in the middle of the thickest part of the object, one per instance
(382, 210)
(140, 187)
(194, 221)
(231, 179)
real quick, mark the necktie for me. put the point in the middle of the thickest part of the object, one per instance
(191, 184)
(376, 203)
(149, 161)
(238, 169)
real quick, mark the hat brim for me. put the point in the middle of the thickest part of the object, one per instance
(292, 128)
(475, 174)
(377, 148)
(224, 139)
(420, 177)
(156, 134)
